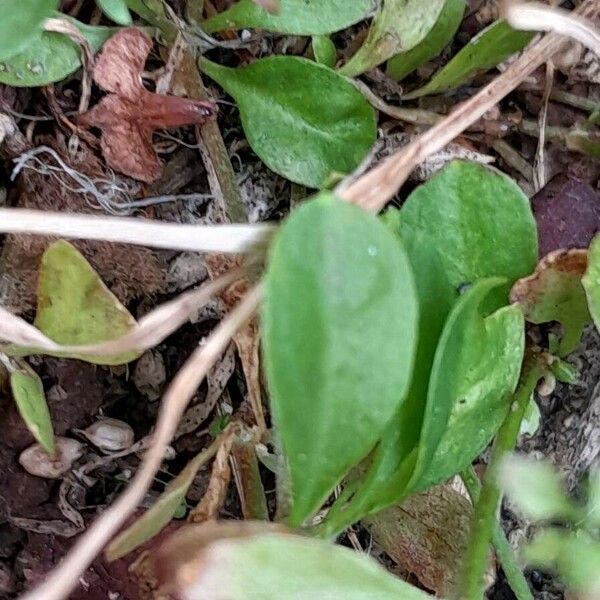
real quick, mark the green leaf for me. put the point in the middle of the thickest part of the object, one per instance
(50, 58)
(157, 517)
(302, 119)
(295, 17)
(74, 305)
(324, 50)
(475, 371)
(555, 293)
(115, 10)
(28, 394)
(574, 556)
(537, 489)
(339, 334)
(486, 50)
(531, 420)
(398, 27)
(591, 281)
(467, 223)
(274, 566)
(22, 23)
(437, 39)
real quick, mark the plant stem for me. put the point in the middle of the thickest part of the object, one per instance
(511, 568)
(475, 561)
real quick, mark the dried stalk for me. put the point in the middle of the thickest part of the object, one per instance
(173, 236)
(534, 16)
(63, 579)
(150, 331)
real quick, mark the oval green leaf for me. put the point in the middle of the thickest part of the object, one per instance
(21, 23)
(28, 394)
(273, 566)
(74, 305)
(339, 334)
(398, 27)
(475, 371)
(486, 50)
(324, 50)
(295, 17)
(50, 58)
(116, 10)
(302, 119)
(437, 39)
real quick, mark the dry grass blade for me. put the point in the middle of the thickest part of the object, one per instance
(152, 329)
(64, 578)
(17, 331)
(374, 189)
(534, 16)
(154, 234)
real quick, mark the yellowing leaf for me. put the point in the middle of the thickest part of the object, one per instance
(74, 305)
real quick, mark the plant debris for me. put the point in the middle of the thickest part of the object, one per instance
(129, 114)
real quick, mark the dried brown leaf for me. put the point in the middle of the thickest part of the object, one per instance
(130, 113)
(426, 535)
(554, 293)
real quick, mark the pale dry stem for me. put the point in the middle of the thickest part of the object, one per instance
(150, 331)
(173, 236)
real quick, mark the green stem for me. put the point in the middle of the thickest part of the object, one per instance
(475, 562)
(512, 570)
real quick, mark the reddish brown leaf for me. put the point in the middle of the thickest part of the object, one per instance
(129, 114)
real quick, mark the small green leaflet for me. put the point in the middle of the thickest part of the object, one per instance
(115, 10)
(28, 394)
(475, 371)
(324, 50)
(51, 57)
(162, 511)
(398, 27)
(339, 335)
(486, 50)
(276, 566)
(297, 129)
(74, 305)
(437, 39)
(295, 17)
(21, 23)
(591, 281)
